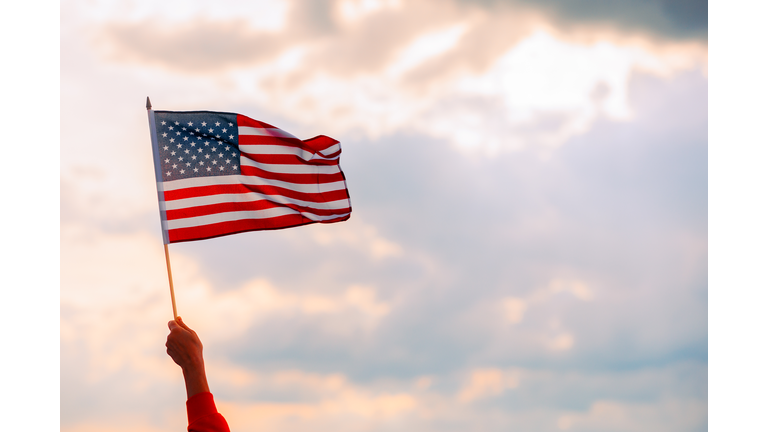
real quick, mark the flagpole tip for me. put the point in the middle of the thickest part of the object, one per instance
(149, 104)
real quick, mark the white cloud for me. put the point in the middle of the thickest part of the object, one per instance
(326, 400)
(562, 342)
(575, 287)
(514, 309)
(225, 316)
(485, 383)
(269, 15)
(345, 412)
(360, 236)
(101, 271)
(424, 48)
(353, 11)
(537, 79)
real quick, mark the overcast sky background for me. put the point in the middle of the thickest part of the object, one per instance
(528, 245)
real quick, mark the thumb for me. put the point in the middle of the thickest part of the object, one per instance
(181, 323)
(172, 324)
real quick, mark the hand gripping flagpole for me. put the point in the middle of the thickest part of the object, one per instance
(158, 181)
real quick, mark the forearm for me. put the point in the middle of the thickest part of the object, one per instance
(195, 380)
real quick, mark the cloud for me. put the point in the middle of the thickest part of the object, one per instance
(488, 383)
(115, 364)
(421, 67)
(664, 19)
(227, 315)
(113, 328)
(514, 309)
(263, 15)
(472, 290)
(197, 47)
(562, 342)
(352, 11)
(324, 399)
(522, 224)
(668, 415)
(360, 236)
(200, 45)
(355, 405)
(123, 425)
(350, 35)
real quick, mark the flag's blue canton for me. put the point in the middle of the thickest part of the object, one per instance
(197, 144)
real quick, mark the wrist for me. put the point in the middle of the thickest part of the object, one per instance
(193, 367)
(195, 379)
(191, 361)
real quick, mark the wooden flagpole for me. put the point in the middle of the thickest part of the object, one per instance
(170, 281)
(165, 242)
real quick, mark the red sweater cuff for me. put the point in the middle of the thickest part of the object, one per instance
(199, 406)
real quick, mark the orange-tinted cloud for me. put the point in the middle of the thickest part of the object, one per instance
(198, 46)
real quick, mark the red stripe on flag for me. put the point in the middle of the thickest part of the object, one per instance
(225, 228)
(269, 140)
(320, 143)
(285, 159)
(202, 191)
(247, 121)
(210, 209)
(292, 178)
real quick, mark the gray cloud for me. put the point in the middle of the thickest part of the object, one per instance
(674, 19)
(664, 19)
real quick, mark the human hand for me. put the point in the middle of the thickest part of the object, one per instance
(184, 347)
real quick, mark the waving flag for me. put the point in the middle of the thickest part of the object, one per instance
(223, 173)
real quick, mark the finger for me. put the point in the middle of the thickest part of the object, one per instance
(172, 324)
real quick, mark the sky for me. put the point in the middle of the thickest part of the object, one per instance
(528, 246)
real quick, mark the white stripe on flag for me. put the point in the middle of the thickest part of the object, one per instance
(291, 169)
(276, 150)
(252, 197)
(331, 150)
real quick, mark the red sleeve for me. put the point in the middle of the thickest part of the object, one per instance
(202, 415)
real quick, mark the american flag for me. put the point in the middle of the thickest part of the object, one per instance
(223, 173)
